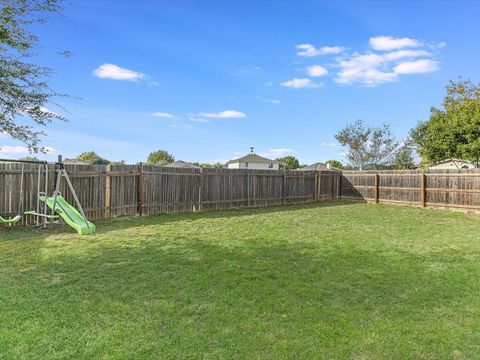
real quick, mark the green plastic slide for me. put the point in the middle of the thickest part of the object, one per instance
(71, 215)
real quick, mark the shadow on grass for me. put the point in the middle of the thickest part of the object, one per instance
(104, 226)
(166, 218)
(200, 300)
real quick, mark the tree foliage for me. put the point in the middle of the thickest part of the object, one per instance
(92, 158)
(29, 158)
(216, 165)
(367, 146)
(453, 131)
(24, 90)
(160, 157)
(337, 165)
(289, 162)
(404, 159)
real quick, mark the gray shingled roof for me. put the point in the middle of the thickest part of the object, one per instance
(253, 158)
(182, 164)
(313, 167)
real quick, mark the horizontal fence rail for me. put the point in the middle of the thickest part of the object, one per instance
(108, 191)
(436, 188)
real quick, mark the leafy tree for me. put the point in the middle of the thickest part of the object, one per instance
(29, 158)
(160, 157)
(24, 91)
(367, 146)
(404, 159)
(336, 164)
(91, 157)
(289, 162)
(216, 165)
(454, 130)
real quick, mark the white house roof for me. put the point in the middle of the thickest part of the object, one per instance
(254, 159)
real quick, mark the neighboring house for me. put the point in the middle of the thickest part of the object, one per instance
(452, 164)
(317, 166)
(254, 162)
(314, 167)
(183, 164)
(74, 162)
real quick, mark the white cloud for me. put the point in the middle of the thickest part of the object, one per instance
(387, 59)
(278, 152)
(316, 71)
(416, 67)
(23, 150)
(226, 114)
(372, 69)
(198, 120)
(111, 71)
(384, 43)
(4, 134)
(364, 69)
(399, 54)
(299, 83)
(329, 144)
(269, 101)
(310, 51)
(163, 115)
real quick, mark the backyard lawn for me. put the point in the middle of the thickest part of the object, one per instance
(330, 281)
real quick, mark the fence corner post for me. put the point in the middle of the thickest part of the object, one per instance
(377, 193)
(140, 190)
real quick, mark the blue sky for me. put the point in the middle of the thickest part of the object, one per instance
(207, 80)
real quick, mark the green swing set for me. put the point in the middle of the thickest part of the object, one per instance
(60, 208)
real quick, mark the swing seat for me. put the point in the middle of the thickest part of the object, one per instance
(10, 221)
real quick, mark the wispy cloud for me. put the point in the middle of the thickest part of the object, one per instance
(316, 71)
(329, 144)
(115, 72)
(416, 67)
(268, 101)
(297, 83)
(197, 119)
(226, 114)
(278, 152)
(163, 115)
(386, 43)
(3, 134)
(309, 50)
(23, 150)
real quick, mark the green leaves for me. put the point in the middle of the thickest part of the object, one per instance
(454, 131)
(367, 146)
(160, 157)
(24, 90)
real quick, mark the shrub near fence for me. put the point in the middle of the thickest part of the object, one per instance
(107, 191)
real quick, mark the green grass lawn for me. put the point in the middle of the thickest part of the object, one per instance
(332, 281)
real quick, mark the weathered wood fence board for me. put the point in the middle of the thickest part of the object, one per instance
(120, 190)
(439, 188)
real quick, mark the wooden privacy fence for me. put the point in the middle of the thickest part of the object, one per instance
(439, 188)
(107, 191)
